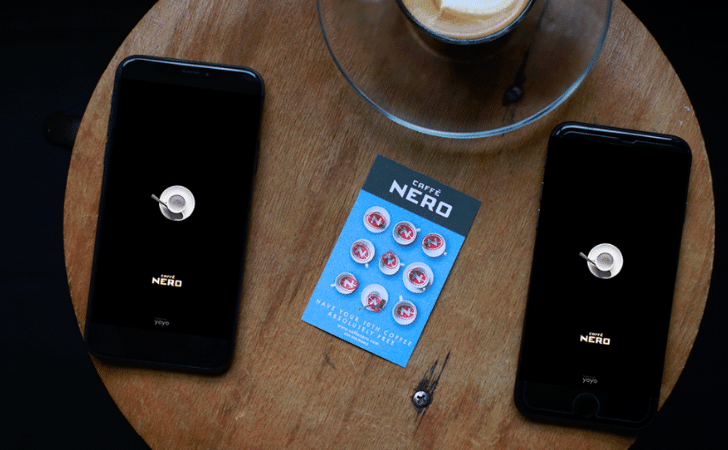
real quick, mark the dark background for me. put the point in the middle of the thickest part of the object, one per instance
(633, 308)
(52, 55)
(172, 144)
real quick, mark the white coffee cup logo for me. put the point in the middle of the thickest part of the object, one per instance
(404, 233)
(418, 277)
(346, 283)
(433, 245)
(362, 251)
(376, 219)
(604, 261)
(389, 263)
(176, 203)
(404, 312)
(374, 298)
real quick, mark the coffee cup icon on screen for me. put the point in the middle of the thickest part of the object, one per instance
(604, 261)
(176, 203)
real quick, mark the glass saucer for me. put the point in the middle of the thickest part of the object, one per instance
(544, 60)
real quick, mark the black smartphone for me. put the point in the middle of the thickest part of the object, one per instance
(179, 171)
(603, 276)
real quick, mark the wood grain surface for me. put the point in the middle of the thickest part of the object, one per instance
(294, 386)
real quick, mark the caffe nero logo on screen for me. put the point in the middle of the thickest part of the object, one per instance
(595, 338)
(167, 280)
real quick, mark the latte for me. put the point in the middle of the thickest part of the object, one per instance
(465, 20)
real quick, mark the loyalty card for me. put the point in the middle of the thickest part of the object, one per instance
(391, 261)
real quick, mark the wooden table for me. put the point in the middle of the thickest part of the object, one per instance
(294, 386)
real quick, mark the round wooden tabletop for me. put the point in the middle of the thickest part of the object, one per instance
(294, 386)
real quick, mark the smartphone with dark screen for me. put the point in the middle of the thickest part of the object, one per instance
(179, 172)
(603, 276)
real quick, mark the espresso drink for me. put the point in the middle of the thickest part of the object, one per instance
(464, 21)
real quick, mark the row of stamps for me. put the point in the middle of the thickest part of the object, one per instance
(375, 298)
(376, 220)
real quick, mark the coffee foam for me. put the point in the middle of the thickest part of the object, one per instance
(474, 9)
(465, 19)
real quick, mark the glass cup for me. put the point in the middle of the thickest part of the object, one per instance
(464, 30)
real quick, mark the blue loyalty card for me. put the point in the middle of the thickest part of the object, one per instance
(391, 261)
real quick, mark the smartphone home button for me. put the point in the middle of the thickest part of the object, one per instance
(586, 405)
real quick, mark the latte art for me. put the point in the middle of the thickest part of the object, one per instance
(465, 19)
(474, 8)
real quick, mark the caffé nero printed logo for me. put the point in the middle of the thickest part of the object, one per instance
(419, 194)
(167, 280)
(595, 338)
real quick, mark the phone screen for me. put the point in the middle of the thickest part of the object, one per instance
(187, 136)
(604, 268)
